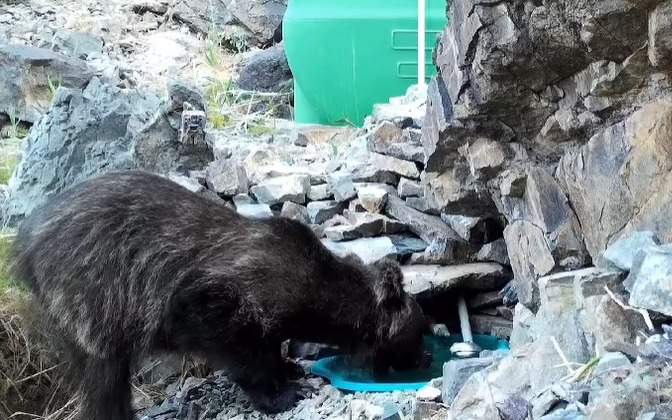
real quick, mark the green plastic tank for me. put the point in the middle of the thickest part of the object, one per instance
(347, 55)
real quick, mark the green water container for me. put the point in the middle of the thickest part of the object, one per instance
(347, 55)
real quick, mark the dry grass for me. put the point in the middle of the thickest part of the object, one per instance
(30, 383)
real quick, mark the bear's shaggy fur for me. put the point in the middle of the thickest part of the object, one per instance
(130, 263)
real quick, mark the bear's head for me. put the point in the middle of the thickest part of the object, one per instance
(401, 323)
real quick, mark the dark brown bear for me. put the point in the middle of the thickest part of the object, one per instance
(131, 263)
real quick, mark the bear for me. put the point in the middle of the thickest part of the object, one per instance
(129, 263)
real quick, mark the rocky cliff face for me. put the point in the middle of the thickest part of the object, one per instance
(555, 114)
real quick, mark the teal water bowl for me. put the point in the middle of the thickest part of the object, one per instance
(345, 377)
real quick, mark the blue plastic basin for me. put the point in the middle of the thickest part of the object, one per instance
(345, 377)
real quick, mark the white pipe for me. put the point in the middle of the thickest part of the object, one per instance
(421, 42)
(464, 320)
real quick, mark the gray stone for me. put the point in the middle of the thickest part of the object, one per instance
(430, 228)
(261, 17)
(484, 300)
(285, 188)
(622, 401)
(462, 225)
(660, 412)
(389, 139)
(491, 325)
(26, 73)
(373, 197)
(319, 192)
(612, 361)
(266, 71)
(494, 252)
(407, 244)
(321, 211)
(515, 408)
(649, 280)
(623, 251)
(409, 188)
(295, 212)
(370, 250)
(242, 199)
(660, 33)
(227, 177)
(432, 279)
(456, 373)
(342, 187)
(187, 182)
(618, 181)
(363, 225)
(77, 44)
(570, 412)
(393, 165)
(257, 211)
(85, 133)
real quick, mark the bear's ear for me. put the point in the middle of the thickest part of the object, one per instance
(389, 287)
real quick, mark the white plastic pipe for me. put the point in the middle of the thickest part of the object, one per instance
(421, 42)
(467, 337)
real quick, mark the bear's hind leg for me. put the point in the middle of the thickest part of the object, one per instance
(262, 374)
(105, 390)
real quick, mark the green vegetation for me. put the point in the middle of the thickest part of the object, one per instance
(259, 129)
(53, 85)
(5, 250)
(217, 95)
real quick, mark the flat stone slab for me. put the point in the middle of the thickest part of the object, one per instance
(370, 250)
(430, 279)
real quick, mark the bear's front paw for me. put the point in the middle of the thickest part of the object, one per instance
(277, 402)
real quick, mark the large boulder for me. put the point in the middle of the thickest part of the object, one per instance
(619, 182)
(84, 133)
(29, 75)
(263, 18)
(266, 71)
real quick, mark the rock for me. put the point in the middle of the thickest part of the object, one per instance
(610, 362)
(660, 412)
(266, 71)
(85, 133)
(515, 408)
(491, 325)
(263, 18)
(342, 187)
(295, 212)
(407, 244)
(321, 135)
(242, 199)
(285, 188)
(622, 401)
(321, 211)
(570, 412)
(649, 280)
(310, 351)
(530, 258)
(157, 147)
(408, 188)
(26, 74)
(429, 393)
(370, 250)
(256, 211)
(433, 279)
(467, 227)
(189, 183)
(484, 300)
(660, 31)
(199, 15)
(319, 192)
(227, 177)
(456, 373)
(373, 198)
(393, 165)
(389, 139)
(77, 44)
(430, 228)
(656, 350)
(622, 252)
(363, 225)
(494, 252)
(624, 162)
